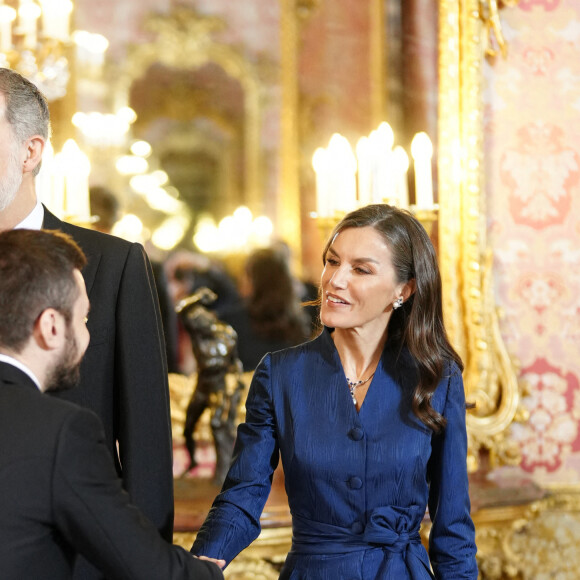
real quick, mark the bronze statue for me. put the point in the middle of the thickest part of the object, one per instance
(214, 346)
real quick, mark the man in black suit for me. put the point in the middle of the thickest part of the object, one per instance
(124, 373)
(59, 492)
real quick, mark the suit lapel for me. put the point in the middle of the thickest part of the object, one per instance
(91, 250)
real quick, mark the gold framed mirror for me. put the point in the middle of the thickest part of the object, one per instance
(199, 100)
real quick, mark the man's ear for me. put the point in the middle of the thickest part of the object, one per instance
(34, 148)
(49, 329)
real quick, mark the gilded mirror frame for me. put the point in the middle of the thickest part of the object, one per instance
(471, 316)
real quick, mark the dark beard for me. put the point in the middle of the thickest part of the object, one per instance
(63, 378)
(67, 371)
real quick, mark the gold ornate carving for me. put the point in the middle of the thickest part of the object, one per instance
(466, 263)
(530, 541)
(489, 13)
(184, 40)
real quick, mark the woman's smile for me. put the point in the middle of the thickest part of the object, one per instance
(335, 300)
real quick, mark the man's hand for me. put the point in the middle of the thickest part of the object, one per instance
(220, 563)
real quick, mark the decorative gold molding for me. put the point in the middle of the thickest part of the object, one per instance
(466, 262)
(489, 13)
(184, 40)
(530, 541)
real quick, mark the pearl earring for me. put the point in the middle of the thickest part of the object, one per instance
(398, 302)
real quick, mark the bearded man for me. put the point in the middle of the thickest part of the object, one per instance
(59, 493)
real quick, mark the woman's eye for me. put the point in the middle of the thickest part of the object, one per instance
(361, 271)
(331, 261)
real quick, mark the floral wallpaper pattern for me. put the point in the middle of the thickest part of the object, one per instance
(532, 148)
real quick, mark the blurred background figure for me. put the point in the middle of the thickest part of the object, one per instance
(187, 272)
(306, 290)
(270, 316)
(105, 206)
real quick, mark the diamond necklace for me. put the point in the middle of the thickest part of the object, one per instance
(352, 385)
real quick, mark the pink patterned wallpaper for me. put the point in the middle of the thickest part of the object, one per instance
(532, 148)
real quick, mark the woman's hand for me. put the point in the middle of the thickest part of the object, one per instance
(220, 563)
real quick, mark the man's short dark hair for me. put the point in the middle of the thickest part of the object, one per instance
(36, 273)
(26, 107)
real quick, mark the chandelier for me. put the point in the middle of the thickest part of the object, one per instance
(376, 173)
(34, 37)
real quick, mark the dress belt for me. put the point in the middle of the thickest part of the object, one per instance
(394, 530)
(390, 528)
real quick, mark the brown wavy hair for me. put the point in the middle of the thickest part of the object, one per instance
(418, 324)
(274, 305)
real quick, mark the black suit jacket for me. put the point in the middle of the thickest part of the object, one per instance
(124, 371)
(60, 494)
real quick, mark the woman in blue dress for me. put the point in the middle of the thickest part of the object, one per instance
(368, 419)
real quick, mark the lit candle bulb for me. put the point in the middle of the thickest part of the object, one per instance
(422, 152)
(78, 168)
(401, 164)
(363, 156)
(342, 173)
(56, 18)
(7, 17)
(28, 13)
(91, 48)
(323, 198)
(382, 140)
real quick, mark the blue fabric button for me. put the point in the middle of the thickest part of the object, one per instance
(356, 434)
(357, 528)
(355, 482)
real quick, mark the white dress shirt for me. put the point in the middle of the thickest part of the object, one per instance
(33, 221)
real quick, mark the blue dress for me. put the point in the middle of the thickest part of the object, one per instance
(358, 483)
